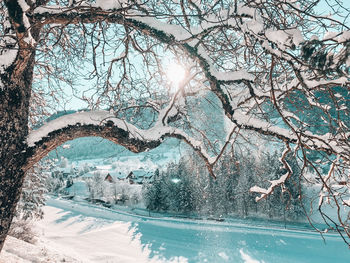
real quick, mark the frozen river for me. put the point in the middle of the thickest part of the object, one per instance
(123, 237)
(234, 243)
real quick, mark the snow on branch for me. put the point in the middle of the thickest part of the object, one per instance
(106, 125)
(186, 40)
(8, 47)
(342, 81)
(248, 122)
(327, 142)
(8, 54)
(81, 118)
(166, 33)
(25, 7)
(104, 119)
(274, 183)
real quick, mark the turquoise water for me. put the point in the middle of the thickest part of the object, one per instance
(206, 242)
(235, 240)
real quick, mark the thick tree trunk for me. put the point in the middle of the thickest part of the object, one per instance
(13, 132)
(14, 108)
(15, 95)
(11, 183)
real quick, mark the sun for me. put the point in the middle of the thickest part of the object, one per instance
(175, 73)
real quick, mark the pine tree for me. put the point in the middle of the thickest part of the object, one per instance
(152, 196)
(283, 203)
(33, 195)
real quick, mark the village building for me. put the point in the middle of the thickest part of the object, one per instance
(113, 176)
(140, 176)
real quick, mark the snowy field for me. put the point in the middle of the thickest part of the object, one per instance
(79, 232)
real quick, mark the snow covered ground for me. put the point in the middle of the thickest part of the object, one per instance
(17, 251)
(79, 232)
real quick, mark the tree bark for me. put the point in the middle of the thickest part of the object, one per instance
(13, 133)
(14, 109)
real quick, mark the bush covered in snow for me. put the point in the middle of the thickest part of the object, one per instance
(23, 230)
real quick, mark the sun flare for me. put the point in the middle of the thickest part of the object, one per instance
(175, 73)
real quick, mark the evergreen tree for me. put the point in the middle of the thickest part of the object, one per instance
(185, 187)
(33, 194)
(284, 203)
(152, 196)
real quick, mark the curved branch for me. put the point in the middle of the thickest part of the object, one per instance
(106, 130)
(105, 125)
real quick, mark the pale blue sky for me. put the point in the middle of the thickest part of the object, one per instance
(75, 103)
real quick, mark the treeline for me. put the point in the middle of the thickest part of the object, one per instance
(187, 188)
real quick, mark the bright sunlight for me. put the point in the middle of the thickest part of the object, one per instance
(175, 73)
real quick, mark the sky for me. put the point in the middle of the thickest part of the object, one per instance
(74, 103)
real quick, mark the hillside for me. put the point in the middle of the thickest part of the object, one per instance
(97, 147)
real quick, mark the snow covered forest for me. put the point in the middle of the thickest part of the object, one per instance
(180, 189)
(234, 107)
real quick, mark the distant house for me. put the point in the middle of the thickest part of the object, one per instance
(109, 178)
(134, 177)
(113, 176)
(140, 176)
(65, 171)
(69, 182)
(131, 178)
(119, 175)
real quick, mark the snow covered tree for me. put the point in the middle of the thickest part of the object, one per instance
(33, 193)
(285, 202)
(244, 201)
(55, 184)
(178, 189)
(152, 195)
(155, 194)
(31, 202)
(250, 55)
(181, 191)
(96, 186)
